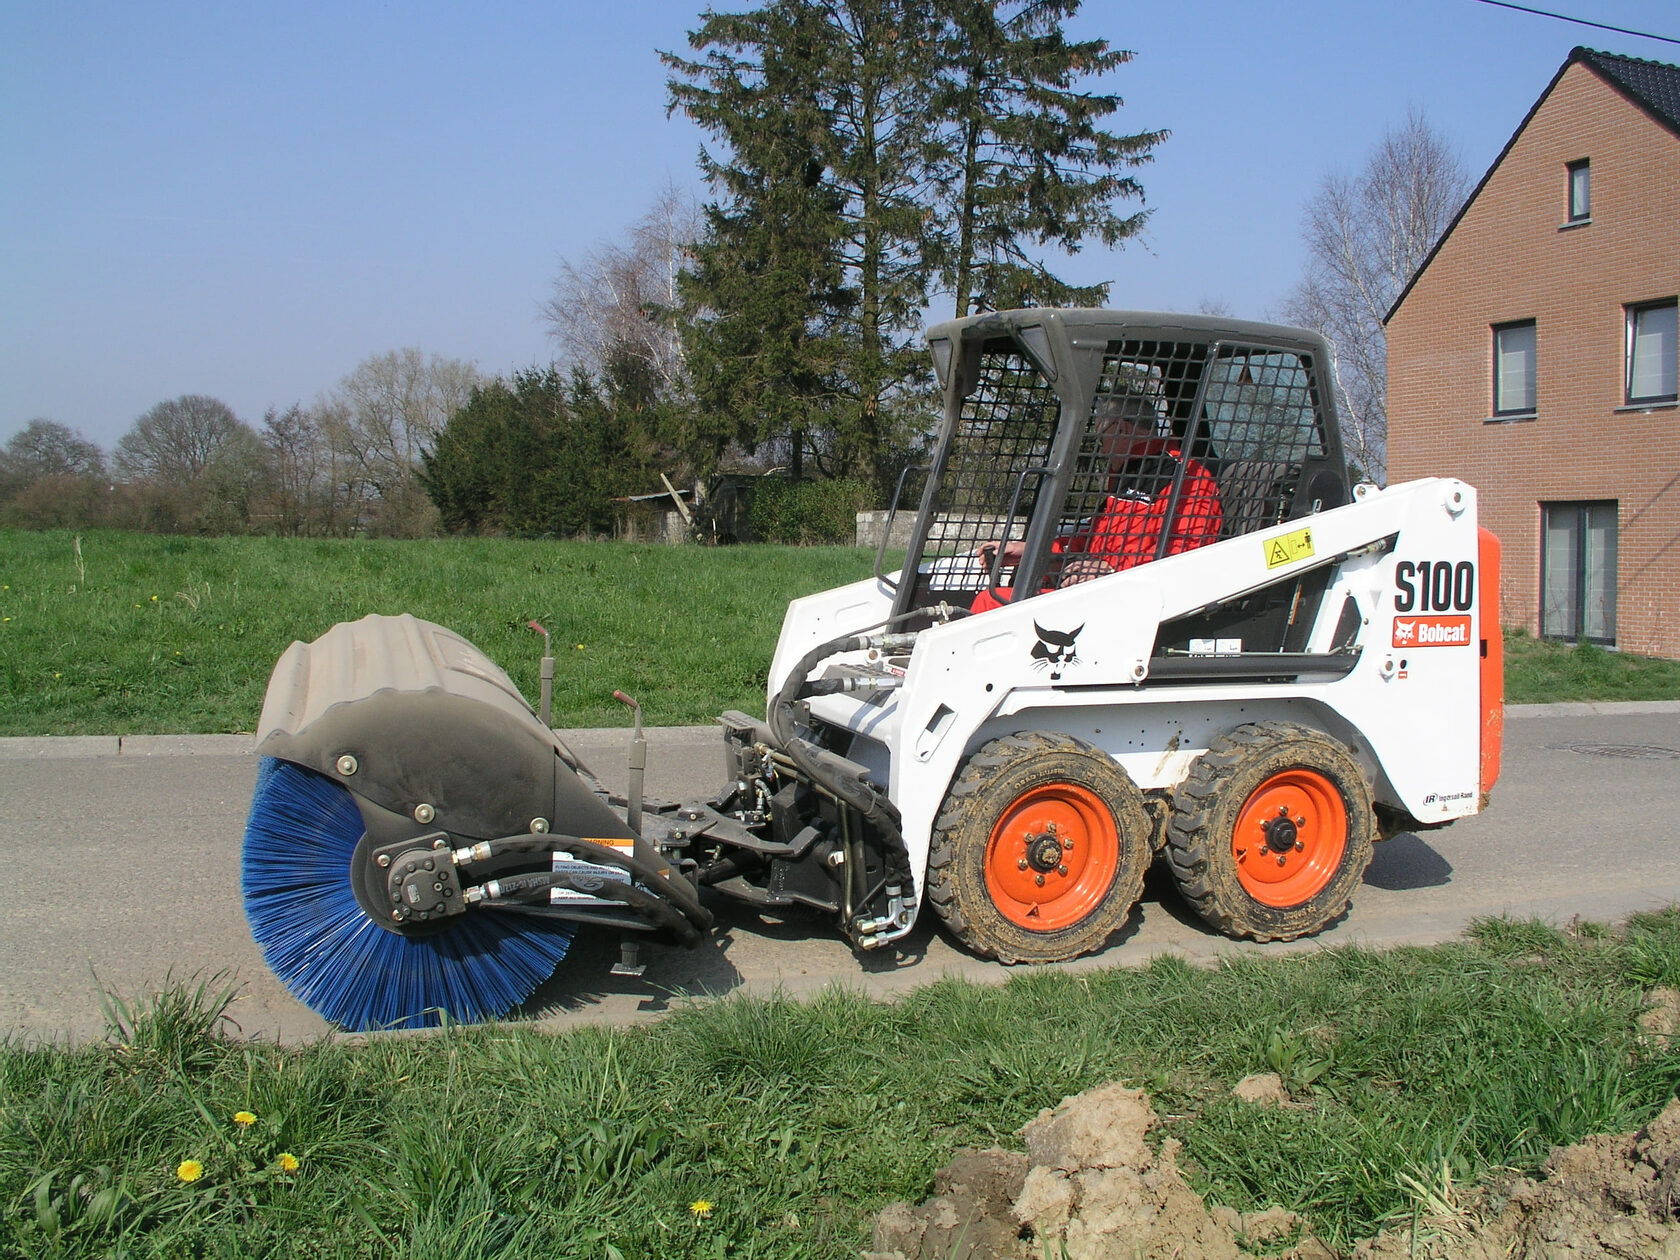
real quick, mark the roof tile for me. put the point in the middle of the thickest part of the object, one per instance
(1653, 84)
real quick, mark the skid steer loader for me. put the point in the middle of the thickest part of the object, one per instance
(1142, 613)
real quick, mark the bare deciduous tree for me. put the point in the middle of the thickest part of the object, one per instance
(1366, 235)
(306, 494)
(51, 477)
(194, 464)
(621, 298)
(381, 419)
(45, 448)
(175, 442)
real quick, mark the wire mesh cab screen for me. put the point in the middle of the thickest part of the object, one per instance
(1265, 425)
(999, 456)
(1186, 443)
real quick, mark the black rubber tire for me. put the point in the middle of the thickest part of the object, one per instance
(1206, 808)
(1000, 777)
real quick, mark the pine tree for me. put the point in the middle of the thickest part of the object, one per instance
(1023, 159)
(867, 150)
(536, 455)
(877, 93)
(765, 296)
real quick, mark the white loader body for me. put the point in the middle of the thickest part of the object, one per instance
(1409, 708)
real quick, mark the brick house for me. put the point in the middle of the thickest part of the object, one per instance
(1534, 355)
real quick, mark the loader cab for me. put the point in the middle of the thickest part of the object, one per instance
(1087, 442)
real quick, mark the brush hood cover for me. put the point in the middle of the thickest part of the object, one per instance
(428, 719)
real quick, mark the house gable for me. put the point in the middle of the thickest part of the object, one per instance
(1511, 358)
(1652, 86)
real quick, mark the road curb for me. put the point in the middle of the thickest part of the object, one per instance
(34, 747)
(49, 747)
(38, 747)
(1602, 708)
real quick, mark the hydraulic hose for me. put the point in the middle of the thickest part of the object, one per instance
(511, 892)
(678, 890)
(847, 780)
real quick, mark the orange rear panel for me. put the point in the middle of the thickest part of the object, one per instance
(1493, 662)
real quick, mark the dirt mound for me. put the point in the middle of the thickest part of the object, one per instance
(1609, 1196)
(1091, 1185)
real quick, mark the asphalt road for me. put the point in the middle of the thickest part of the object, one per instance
(125, 868)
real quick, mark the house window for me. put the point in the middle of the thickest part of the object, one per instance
(1580, 191)
(1578, 571)
(1651, 352)
(1513, 369)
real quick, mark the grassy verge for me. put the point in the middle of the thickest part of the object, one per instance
(114, 633)
(1538, 671)
(796, 1121)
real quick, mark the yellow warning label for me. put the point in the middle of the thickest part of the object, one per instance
(1289, 548)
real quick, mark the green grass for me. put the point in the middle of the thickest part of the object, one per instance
(1538, 671)
(141, 633)
(798, 1120)
(114, 633)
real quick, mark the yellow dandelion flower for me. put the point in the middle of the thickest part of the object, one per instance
(700, 1209)
(244, 1119)
(154, 599)
(189, 1170)
(579, 646)
(288, 1162)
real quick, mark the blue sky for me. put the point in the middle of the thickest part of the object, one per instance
(247, 201)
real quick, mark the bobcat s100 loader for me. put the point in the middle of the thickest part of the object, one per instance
(1142, 613)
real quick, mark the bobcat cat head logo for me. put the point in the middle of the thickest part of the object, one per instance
(1055, 649)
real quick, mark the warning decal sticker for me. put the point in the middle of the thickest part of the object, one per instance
(1288, 548)
(1422, 632)
(585, 876)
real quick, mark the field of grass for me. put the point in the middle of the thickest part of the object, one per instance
(113, 633)
(796, 1121)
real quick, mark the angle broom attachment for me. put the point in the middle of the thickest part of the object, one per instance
(302, 831)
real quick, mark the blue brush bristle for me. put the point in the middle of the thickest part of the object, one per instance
(313, 933)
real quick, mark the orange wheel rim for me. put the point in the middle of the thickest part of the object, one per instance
(1289, 838)
(1052, 856)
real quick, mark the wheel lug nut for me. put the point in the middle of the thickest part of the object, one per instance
(1022, 864)
(1280, 859)
(1061, 870)
(1300, 847)
(1301, 821)
(1039, 880)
